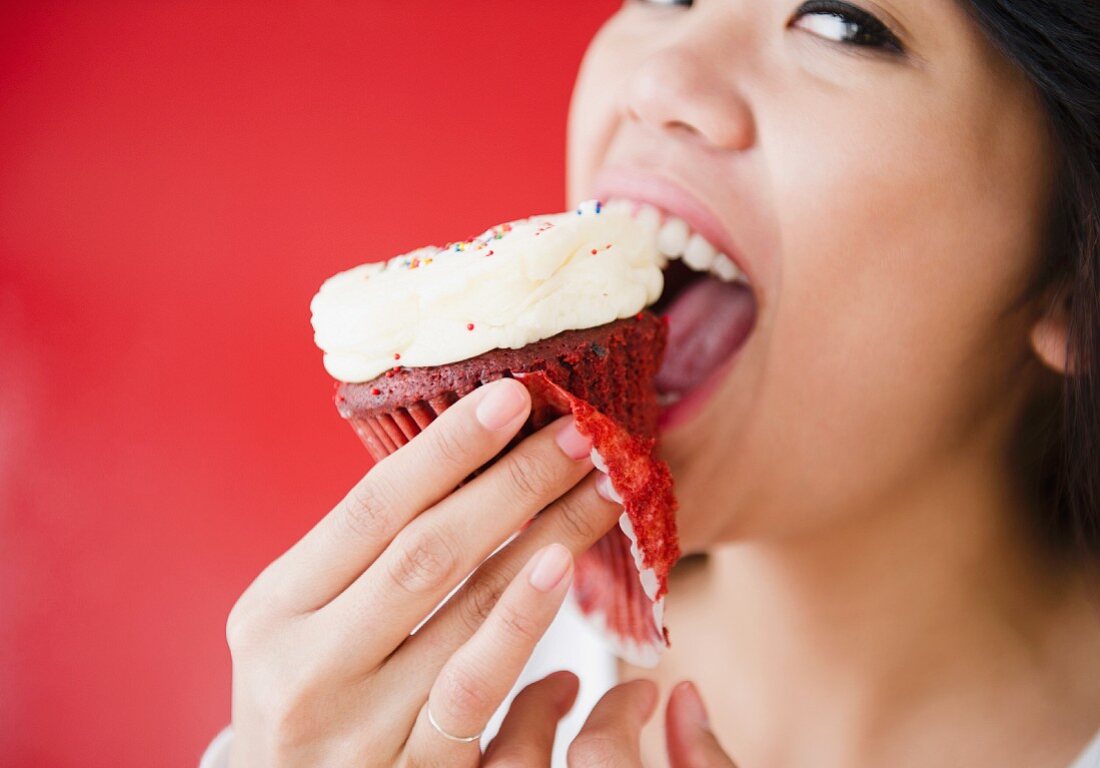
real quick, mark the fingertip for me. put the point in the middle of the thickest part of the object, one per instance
(689, 737)
(500, 403)
(572, 443)
(564, 676)
(560, 688)
(514, 384)
(514, 387)
(685, 698)
(646, 696)
(681, 689)
(568, 686)
(551, 567)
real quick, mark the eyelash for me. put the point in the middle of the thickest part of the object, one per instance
(867, 31)
(865, 28)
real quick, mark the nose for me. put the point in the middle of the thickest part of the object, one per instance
(680, 88)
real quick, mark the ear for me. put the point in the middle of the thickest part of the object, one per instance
(1050, 335)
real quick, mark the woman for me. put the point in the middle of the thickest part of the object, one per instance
(894, 484)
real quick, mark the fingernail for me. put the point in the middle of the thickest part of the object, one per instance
(500, 405)
(572, 443)
(550, 567)
(605, 489)
(693, 703)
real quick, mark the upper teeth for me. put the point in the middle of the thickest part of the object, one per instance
(675, 240)
(672, 237)
(700, 254)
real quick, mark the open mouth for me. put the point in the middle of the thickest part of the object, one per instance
(710, 308)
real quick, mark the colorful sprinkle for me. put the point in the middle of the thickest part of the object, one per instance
(501, 230)
(376, 391)
(396, 355)
(469, 326)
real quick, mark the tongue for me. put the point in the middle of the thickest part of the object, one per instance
(707, 323)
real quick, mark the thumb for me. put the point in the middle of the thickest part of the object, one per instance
(691, 743)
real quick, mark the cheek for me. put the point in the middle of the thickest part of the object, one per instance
(901, 251)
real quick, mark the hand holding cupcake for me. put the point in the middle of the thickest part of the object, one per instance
(487, 379)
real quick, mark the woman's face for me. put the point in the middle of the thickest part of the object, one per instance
(881, 174)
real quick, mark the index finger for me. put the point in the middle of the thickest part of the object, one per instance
(333, 553)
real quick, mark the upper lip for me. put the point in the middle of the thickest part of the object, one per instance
(673, 198)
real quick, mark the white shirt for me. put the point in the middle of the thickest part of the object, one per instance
(570, 643)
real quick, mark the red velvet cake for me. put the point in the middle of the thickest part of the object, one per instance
(559, 303)
(611, 367)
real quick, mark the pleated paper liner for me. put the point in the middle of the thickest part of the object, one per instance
(604, 377)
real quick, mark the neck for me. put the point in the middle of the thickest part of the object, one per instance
(917, 609)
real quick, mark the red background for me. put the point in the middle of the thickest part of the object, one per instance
(176, 180)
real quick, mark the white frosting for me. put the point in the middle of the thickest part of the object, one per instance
(512, 285)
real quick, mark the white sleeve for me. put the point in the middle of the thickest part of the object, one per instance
(1090, 756)
(217, 754)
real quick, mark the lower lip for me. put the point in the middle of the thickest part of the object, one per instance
(683, 410)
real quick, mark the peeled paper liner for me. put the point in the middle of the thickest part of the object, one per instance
(620, 582)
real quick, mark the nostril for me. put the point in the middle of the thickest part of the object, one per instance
(680, 90)
(678, 125)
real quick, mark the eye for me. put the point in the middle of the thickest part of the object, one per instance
(848, 24)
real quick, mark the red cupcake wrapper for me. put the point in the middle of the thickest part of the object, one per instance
(384, 433)
(620, 582)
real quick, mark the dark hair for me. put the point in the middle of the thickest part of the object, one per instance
(1056, 44)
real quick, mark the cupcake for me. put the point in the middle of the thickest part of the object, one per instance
(558, 302)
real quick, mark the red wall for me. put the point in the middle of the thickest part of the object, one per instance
(176, 179)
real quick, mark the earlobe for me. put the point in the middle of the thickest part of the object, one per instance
(1049, 341)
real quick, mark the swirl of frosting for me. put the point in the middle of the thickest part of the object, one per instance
(514, 284)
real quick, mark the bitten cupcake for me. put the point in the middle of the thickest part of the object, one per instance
(558, 302)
